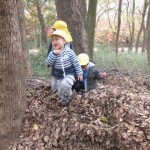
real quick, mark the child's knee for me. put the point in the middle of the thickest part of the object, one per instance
(66, 84)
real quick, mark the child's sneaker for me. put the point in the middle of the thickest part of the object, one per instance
(64, 100)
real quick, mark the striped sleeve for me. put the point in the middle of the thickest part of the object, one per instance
(50, 60)
(76, 63)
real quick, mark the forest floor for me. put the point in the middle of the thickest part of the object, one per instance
(115, 116)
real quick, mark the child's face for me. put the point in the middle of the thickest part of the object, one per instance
(84, 67)
(58, 42)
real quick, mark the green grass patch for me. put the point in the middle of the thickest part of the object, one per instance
(105, 57)
(38, 63)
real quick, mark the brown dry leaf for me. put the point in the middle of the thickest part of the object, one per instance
(26, 148)
(78, 97)
(46, 138)
(56, 134)
(88, 132)
(82, 126)
(131, 127)
(120, 119)
(35, 127)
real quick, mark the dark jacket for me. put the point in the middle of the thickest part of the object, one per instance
(94, 74)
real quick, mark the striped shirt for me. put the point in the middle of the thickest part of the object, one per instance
(65, 63)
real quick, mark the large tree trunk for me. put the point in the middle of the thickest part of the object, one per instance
(21, 16)
(148, 35)
(12, 77)
(42, 23)
(90, 27)
(69, 12)
(142, 23)
(119, 25)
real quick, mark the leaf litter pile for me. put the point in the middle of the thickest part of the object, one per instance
(115, 116)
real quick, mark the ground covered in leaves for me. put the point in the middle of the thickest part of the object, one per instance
(116, 116)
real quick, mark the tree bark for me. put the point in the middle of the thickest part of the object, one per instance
(83, 10)
(90, 27)
(148, 35)
(42, 23)
(141, 27)
(119, 25)
(69, 12)
(12, 78)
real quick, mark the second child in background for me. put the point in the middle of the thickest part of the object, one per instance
(90, 74)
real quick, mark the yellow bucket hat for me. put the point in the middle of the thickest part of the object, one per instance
(60, 33)
(61, 25)
(83, 59)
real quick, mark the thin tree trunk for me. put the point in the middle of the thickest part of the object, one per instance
(144, 39)
(128, 24)
(133, 26)
(12, 78)
(69, 12)
(113, 29)
(42, 23)
(141, 27)
(119, 25)
(148, 36)
(21, 16)
(91, 22)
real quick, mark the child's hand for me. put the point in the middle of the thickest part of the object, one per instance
(80, 78)
(103, 75)
(57, 52)
(50, 31)
(48, 66)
